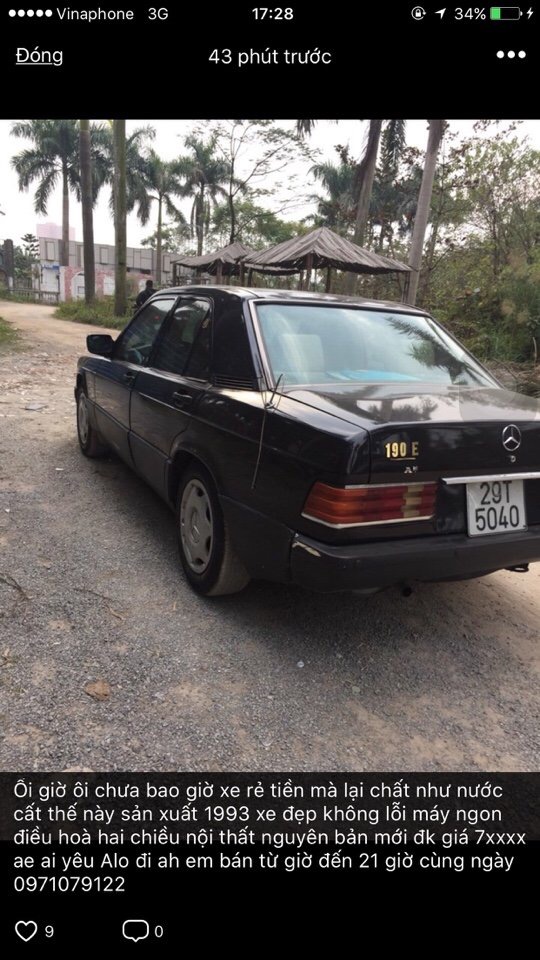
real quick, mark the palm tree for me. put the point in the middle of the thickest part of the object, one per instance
(393, 142)
(53, 157)
(120, 239)
(161, 183)
(87, 201)
(395, 188)
(365, 173)
(204, 175)
(136, 144)
(121, 161)
(336, 210)
(436, 132)
(392, 147)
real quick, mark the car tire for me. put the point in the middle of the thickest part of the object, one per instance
(207, 555)
(89, 441)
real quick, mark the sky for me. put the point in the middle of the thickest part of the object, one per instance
(20, 218)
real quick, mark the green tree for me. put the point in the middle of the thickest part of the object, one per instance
(173, 238)
(24, 264)
(395, 193)
(31, 247)
(87, 202)
(500, 192)
(336, 209)
(435, 134)
(53, 158)
(27, 261)
(482, 260)
(393, 201)
(393, 143)
(120, 238)
(137, 144)
(255, 226)
(162, 183)
(365, 173)
(259, 156)
(204, 176)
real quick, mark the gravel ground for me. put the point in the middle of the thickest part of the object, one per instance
(271, 679)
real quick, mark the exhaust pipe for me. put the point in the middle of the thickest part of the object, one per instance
(520, 568)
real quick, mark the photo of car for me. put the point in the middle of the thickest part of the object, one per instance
(315, 439)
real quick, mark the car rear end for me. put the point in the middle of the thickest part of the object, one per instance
(448, 485)
(462, 511)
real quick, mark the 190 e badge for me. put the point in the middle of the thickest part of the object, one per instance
(402, 450)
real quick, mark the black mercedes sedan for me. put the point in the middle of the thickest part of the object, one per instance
(326, 441)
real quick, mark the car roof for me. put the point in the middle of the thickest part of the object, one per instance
(271, 293)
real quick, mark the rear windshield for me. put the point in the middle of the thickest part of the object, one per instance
(326, 344)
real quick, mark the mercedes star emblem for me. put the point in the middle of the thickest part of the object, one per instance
(511, 437)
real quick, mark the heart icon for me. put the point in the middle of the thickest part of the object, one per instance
(26, 929)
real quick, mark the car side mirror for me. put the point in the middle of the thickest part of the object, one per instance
(100, 343)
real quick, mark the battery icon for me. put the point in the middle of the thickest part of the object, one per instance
(504, 13)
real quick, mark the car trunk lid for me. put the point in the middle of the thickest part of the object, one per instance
(437, 431)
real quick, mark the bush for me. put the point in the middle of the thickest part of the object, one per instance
(8, 334)
(100, 313)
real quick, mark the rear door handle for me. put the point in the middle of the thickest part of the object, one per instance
(129, 377)
(182, 399)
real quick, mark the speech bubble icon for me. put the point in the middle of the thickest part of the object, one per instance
(135, 930)
(26, 929)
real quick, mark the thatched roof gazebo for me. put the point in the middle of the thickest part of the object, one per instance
(224, 262)
(322, 248)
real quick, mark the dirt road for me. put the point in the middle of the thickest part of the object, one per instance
(271, 679)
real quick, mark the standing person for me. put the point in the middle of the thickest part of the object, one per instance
(144, 295)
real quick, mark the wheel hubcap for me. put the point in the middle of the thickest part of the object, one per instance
(83, 418)
(196, 525)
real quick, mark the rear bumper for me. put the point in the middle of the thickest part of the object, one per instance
(272, 551)
(372, 566)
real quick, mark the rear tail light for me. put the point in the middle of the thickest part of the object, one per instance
(375, 503)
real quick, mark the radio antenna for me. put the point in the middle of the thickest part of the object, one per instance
(268, 405)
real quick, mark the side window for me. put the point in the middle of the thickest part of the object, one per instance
(135, 345)
(181, 336)
(198, 365)
(232, 359)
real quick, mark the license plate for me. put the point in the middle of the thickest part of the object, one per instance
(495, 506)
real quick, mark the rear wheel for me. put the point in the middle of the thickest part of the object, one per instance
(89, 441)
(206, 552)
